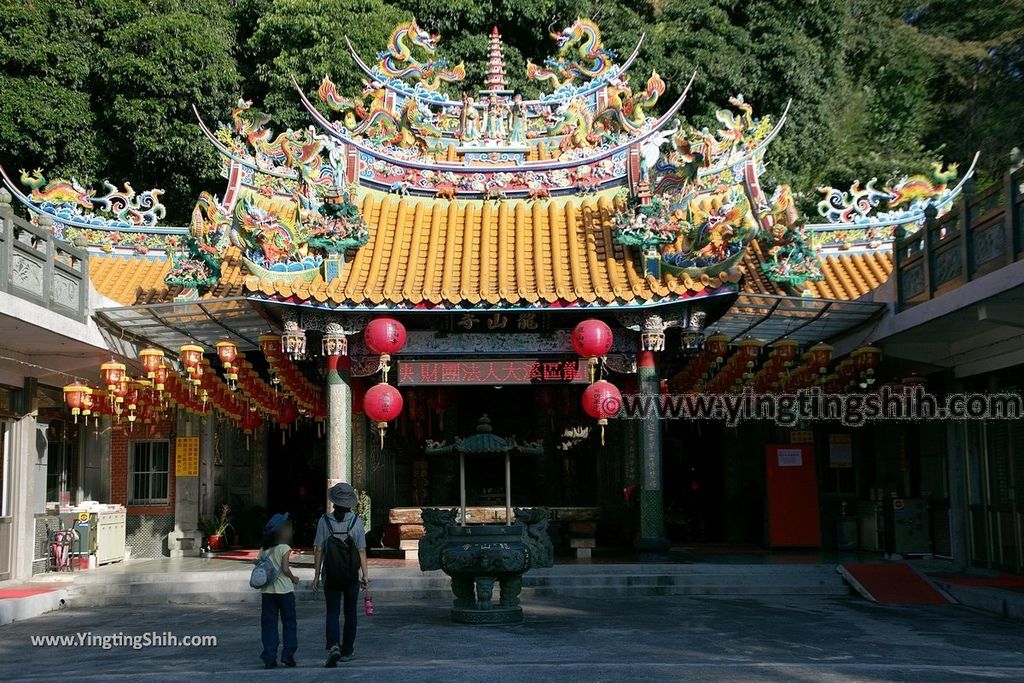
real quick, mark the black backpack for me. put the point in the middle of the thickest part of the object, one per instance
(341, 557)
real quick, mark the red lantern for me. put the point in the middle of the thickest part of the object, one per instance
(160, 377)
(602, 400)
(190, 355)
(271, 345)
(749, 350)
(151, 359)
(227, 351)
(112, 373)
(592, 338)
(821, 355)
(117, 394)
(385, 336)
(88, 401)
(74, 396)
(382, 404)
(785, 350)
(716, 347)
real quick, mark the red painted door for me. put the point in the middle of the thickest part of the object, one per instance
(792, 492)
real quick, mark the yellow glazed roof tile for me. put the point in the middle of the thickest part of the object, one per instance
(851, 276)
(514, 252)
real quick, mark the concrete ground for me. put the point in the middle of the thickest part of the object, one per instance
(831, 639)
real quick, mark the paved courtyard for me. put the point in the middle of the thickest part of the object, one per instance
(665, 639)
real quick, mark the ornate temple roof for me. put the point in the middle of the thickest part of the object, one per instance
(426, 252)
(402, 197)
(131, 280)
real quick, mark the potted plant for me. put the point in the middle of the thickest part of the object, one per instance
(215, 529)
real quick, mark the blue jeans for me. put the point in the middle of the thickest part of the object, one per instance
(334, 600)
(275, 604)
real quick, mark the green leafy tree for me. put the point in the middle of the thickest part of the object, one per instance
(46, 117)
(977, 50)
(305, 39)
(157, 59)
(104, 88)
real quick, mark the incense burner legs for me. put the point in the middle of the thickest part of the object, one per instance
(480, 557)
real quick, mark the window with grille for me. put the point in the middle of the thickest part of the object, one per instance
(149, 476)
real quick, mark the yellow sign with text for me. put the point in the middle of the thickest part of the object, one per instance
(186, 456)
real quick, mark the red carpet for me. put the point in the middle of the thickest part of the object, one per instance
(891, 584)
(22, 592)
(241, 554)
(247, 554)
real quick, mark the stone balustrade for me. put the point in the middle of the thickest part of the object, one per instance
(37, 267)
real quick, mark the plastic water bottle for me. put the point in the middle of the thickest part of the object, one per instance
(368, 604)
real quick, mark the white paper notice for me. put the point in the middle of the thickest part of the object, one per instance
(791, 457)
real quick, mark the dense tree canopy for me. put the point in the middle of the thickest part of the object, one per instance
(103, 88)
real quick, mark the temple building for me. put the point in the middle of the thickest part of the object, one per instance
(364, 291)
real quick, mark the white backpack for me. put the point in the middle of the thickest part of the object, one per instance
(264, 573)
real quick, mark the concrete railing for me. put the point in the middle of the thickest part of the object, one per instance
(36, 267)
(981, 234)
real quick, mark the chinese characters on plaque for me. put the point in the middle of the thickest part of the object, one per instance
(528, 321)
(186, 456)
(492, 371)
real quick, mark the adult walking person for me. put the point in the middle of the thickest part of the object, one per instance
(339, 556)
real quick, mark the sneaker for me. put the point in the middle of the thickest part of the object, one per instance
(333, 655)
(346, 656)
(269, 665)
(288, 661)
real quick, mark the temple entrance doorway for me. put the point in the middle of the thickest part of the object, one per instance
(296, 476)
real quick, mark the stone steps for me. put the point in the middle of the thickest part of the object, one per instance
(408, 583)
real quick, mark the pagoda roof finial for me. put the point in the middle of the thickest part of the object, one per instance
(496, 81)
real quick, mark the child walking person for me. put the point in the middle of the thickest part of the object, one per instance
(279, 594)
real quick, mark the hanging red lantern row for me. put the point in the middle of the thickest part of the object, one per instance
(698, 371)
(725, 377)
(305, 393)
(259, 394)
(812, 369)
(601, 401)
(778, 365)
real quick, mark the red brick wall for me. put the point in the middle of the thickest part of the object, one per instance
(120, 438)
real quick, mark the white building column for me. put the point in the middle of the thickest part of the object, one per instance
(339, 421)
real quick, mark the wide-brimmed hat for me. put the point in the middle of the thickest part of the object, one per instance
(274, 522)
(343, 494)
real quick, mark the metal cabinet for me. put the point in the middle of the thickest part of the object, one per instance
(110, 536)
